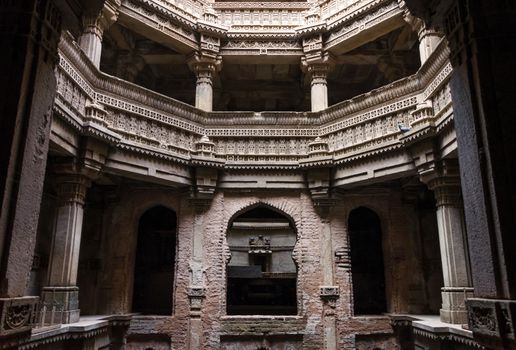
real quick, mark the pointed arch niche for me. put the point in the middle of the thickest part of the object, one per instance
(367, 264)
(155, 262)
(261, 274)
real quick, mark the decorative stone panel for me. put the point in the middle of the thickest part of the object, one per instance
(16, 315)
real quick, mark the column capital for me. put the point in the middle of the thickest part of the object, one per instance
(96, 21)
(72, 188)
(444, 180)
(318, 65)
(204, 64)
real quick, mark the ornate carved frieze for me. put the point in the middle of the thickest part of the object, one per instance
(262, 47)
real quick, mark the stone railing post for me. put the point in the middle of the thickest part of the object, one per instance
(452, 240)
(204, 67)
(61, 286)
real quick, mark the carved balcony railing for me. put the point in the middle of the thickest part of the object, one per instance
(343, 18)
(133, 118)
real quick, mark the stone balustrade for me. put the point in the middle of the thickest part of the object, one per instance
(134, 118)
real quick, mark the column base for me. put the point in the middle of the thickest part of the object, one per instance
(60, 305)
(454, 304)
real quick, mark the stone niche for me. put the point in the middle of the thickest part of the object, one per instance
(284, 342)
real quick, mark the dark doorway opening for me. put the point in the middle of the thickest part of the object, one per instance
(367, 262)
(155, 260)
(262, 275)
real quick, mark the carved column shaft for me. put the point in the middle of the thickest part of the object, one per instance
(95, 22)
(204, 87)
(61, 288)
(64, 257)
(452, 241)
(428, 41)
(319, 86)
(91, 39)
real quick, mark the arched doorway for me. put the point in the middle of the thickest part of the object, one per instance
(261, 274)
(367, 265)
(154, 262)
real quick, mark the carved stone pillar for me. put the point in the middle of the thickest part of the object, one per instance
(428, 41)
(319, 184)
(318, 70)
(204, 68)
(428, 37)
(205, 180)
(452, 240)
(95, 22)
(29, 36)
(61, 291)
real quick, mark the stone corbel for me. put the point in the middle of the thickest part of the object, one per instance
(329, 296)
(92, 156)
(205, 183)
(204, 61)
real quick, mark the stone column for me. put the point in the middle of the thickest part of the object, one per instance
(452, 241)
(428, 37)
(95, 22)
(318, 70)
(204, 68)
(428, 41)
(61, 290)
(319, 87)
(29, 37)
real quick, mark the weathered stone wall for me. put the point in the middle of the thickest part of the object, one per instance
(405, 285)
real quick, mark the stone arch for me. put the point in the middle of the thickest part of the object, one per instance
(282, 208)
(367, 261)
(270, 257)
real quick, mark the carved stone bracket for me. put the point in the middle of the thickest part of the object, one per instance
(16, 315)
(201, 194)
(329, 296)
(196, 294)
